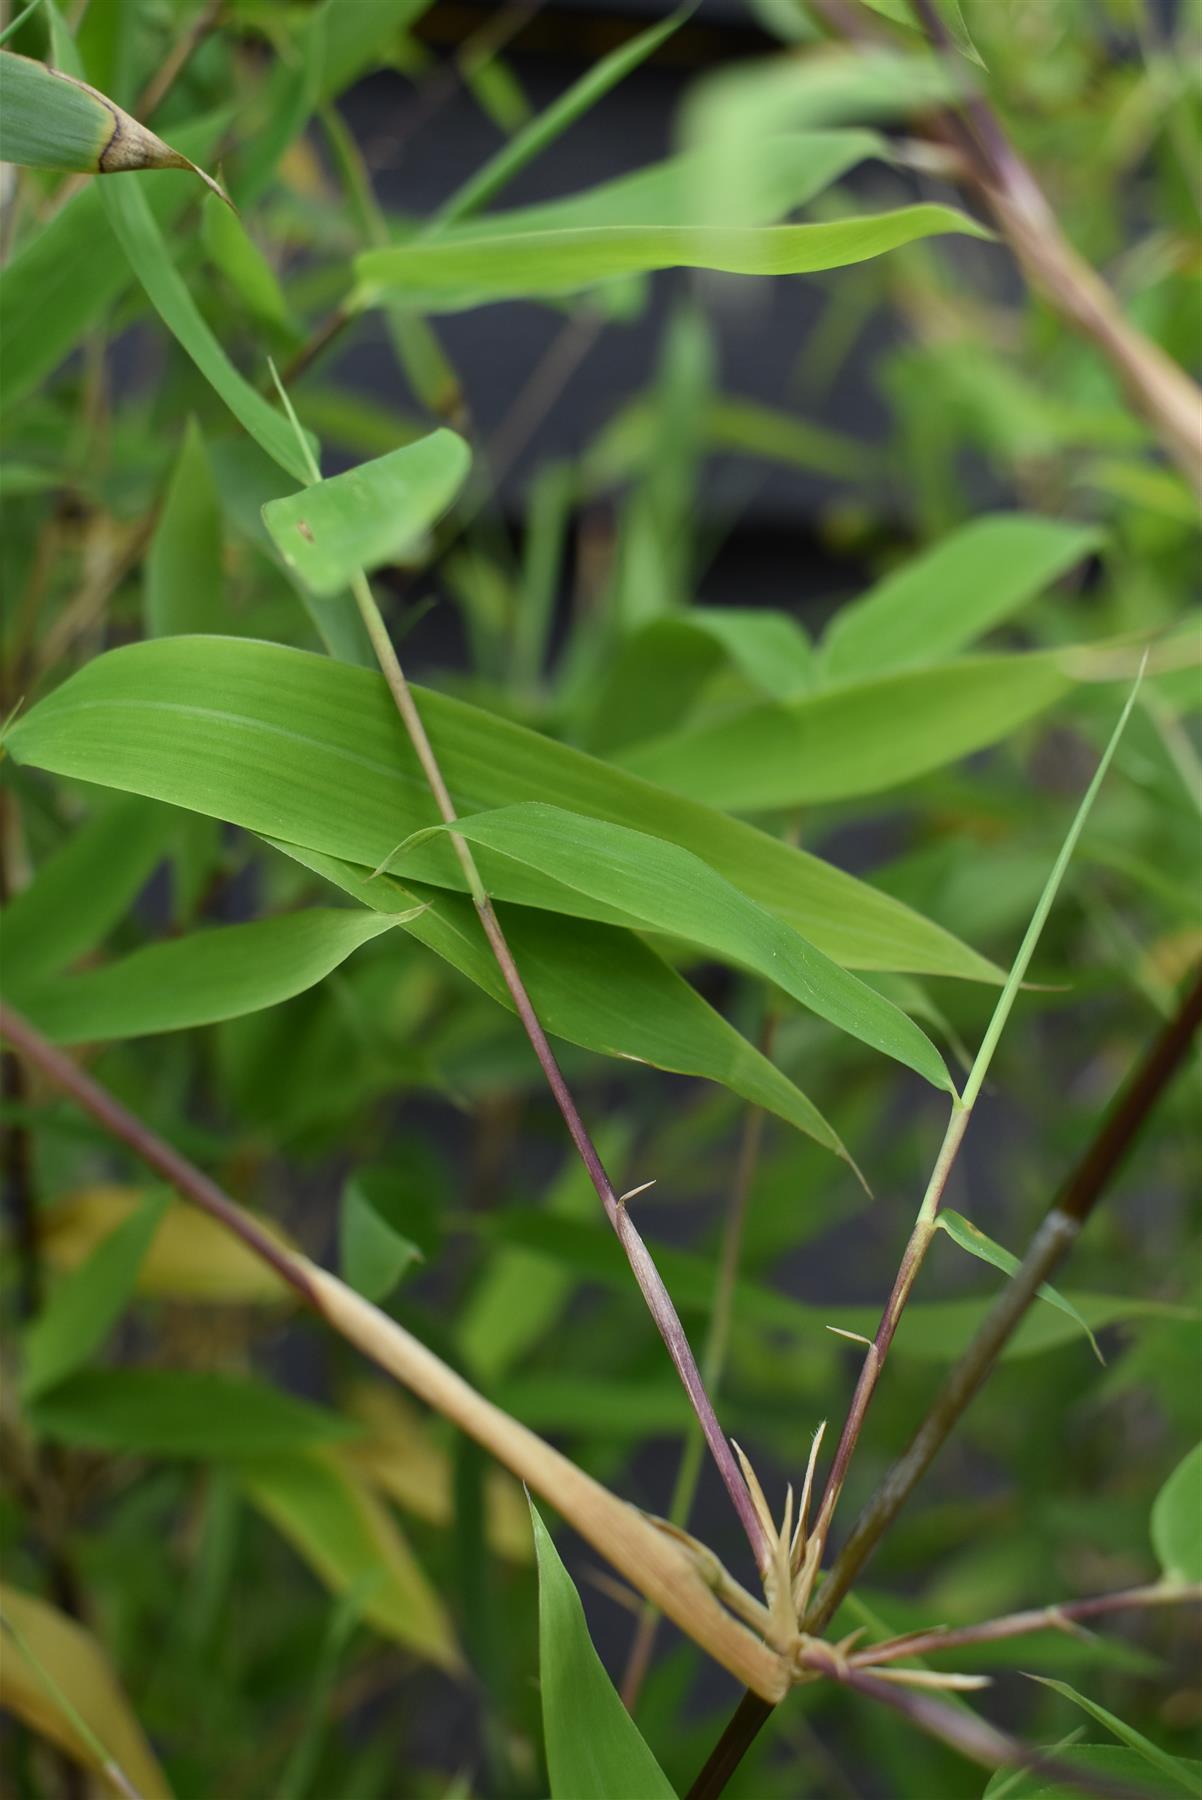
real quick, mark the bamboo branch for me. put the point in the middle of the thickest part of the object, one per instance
(1051, 1243)
(646, 1274)
(659, 1565)
(1063, 1616)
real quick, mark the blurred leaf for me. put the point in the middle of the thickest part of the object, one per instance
(352, 1542)
(664, 888)
(300, 747)
(372, 1254)
(183, 582)
(551, 124)
(219, 973)
(944, 599)
(860, 738)
(370, 515)
(85, 885)
(970, 1237)
(593, 1747)
(438, 275)
(400, 1454)
(139, 236)
(1185, 1775)
(85, 1306)
(1177, 1520)
(235, 253)
(590, 984)
(80, 1671)
(190, 1256)
(1097, 1762)
(181, 1412)
(902, 12)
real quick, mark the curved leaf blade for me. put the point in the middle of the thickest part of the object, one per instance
(1177, 1520)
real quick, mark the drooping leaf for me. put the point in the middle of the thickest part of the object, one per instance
(593, 1746)
(860, 738)
(590, 984)
(326, 1511)
(85, 1306)
(943, 600)
(1186, 1776)
(220, 973)
(138, 235)
(437, 275)
(370, 515)
(80, 1673)
(183, 584)
(87, 884)
(1177, 1520)
(664, 888)
(182, 1412)
(305, 749)
(190, 1256)
(51, 120)
(970, 1237)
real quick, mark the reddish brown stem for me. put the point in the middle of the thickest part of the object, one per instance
(1038, 1618)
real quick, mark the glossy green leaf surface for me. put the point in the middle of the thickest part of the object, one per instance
(668, 889)
(368, 516)
(590, 984)
(298, 747)
(594, 1749)
(220, 973)
(438, 276)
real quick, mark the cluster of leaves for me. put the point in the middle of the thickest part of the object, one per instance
(229, 886)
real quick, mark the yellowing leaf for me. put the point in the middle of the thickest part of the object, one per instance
(324, 1507)
(190, 1257)
(399, 1455)
(78, 1667)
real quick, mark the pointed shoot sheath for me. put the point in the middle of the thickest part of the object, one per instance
(49, 120)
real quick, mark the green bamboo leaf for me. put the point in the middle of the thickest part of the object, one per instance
(182, 1412)
(86, 1305)
(51, 120)
(183, 582)
(373, 1253)
(370, 515)
(594, 1749)
(138, 234)
(902, 12)
(663, 888)
(864, 737)
(542, 132)
(1177, 1520)
(1184, 1775)
(1093, 1764)
(299, 747)
(944, 599)
(594, 986)
(790, 169)
(85, 886)
(970, 1237)
(64, 275)
(220, 973)
(233, 251)
(353, 1542)
(438, 275)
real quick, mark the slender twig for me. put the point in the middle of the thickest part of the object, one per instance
(1049, 1246)
(649, 1280)
(684, 1581)
(1063, 1616)
(1084, 1187)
